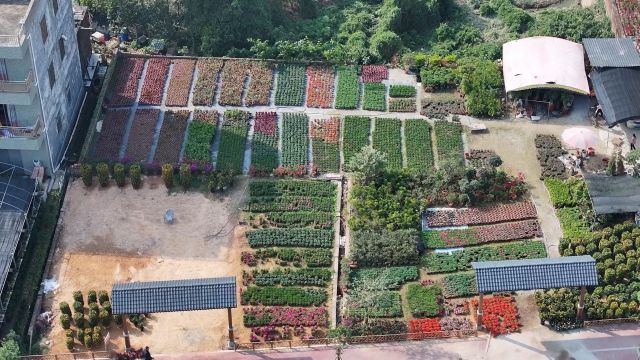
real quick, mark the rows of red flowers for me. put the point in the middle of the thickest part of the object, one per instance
(259, 91)
(204, 90)
(320, 89)
(474, 216)
(180, 82)
(174, 125)
(266, 123)
(141, 134)
(374, 73)
(153, 86)
(110, 140)
(285, 315)
(326, 129)
(126, 82)
(232, 81)
(500, 314)
(516, 230)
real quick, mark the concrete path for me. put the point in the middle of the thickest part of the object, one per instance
(603, 343)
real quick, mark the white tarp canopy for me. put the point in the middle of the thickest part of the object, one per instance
(544, 62)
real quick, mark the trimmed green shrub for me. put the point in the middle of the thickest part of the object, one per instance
(135, 175)
(107, 306)
(118, 174)
(65, 321)
(64, 308)
(86, 172)
(77, 296)
(185, 176)
(102, 169)
(80, 334)
(167, 175)
(69, 342)
(105, 318)
(78, 319)
(92, 318)
(103, 296)
(92, 297)
(117, 319)
(88, 341)
(78, 307)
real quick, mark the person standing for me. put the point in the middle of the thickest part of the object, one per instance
(633, 141)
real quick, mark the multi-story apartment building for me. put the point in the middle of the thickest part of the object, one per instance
(41, 81)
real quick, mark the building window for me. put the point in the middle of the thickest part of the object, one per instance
(43, 29)
(68, 95)
(52, 75)
(62, 49)
(55, 6)
(59, 123)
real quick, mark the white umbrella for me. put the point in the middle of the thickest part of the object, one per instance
(579, 138)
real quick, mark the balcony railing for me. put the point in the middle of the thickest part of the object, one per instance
(11, 40)
(23, 86)
(22, 131)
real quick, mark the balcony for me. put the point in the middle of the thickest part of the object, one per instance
(22, 137)
(17, 92)
(12, 46)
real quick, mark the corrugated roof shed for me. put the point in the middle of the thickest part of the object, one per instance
(617, 91)
(11, 224)
(174, 295)
(531, 274)
(612, 52)
(613, 194)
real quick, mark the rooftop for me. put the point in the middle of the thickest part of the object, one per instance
(613, 194)
(11, 13)
(617, 90)
(614, 52)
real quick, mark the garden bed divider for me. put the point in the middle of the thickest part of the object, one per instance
(604, 322)
(97, 355)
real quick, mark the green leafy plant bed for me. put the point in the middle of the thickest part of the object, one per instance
(284, 256)
(517, 230)
(325, 136)
(402, 105)
(233, 140)
(290, 203)
(461, 260)
(202, 130)
(417, 139)
(291, 296)
(384, 248)
(291, 85)
(424, 301)
(375, 304)
(402, 91)
(356, 135)
(391, 278)
(567, 193)
(264, 145)
(348, 90)
(574, 223)
(290, 237)
(293, 219)
(387, 139)
(374, 97)
(292, 188)
(459, 285)
(289, 277)
(449, 142)
(295, 139)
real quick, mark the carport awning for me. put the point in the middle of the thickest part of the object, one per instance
(618, 91)
(613, 194)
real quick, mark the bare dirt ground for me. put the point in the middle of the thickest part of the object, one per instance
(118, 235)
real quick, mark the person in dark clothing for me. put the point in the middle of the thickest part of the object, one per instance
(633, 141)
(146, 354)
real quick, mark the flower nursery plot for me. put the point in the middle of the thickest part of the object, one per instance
(356, 135)
(171, 136)
(459, 285)
(141, 134)
(320, 89)
(259, 91)
(202, 130)
(180, 82)
(449, 142)
(424, 301)
(402, 105)
(374, 73)
(500, 314)
(461, 260)
(205, 87)
(348, 91)
(264, 152)
(376, 304)
(417, 139)
(233, 140)
(295, 139)
(475, 216)
(374, 97)
(291, 85)
(114, 124)
(125, 83)
(154, 80)
(402, 91)
(474, 235)
(325, 137)
(392, 278)
(387, 138)
(385, 248)
(290, 265)
(232, 82)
